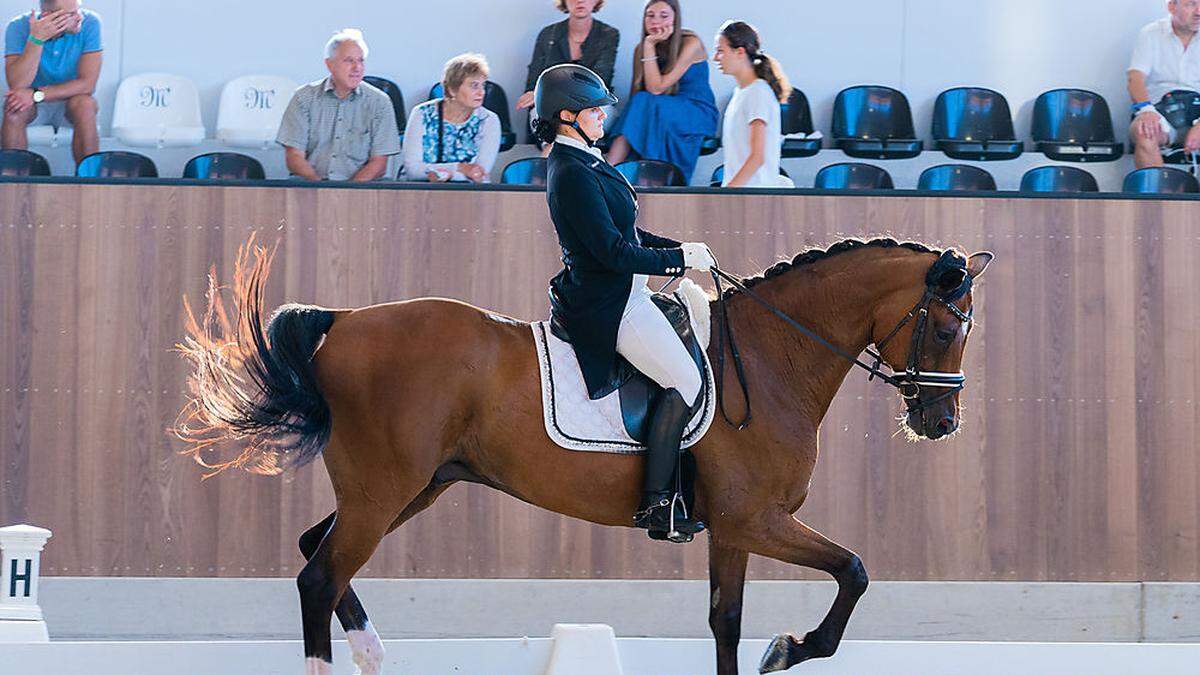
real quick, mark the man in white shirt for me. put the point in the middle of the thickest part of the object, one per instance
(1163, 61)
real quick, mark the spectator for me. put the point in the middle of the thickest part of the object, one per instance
(340, 128)
(671, 108)
(52, 60)
(1163, 61)
(454, 137)
(751, 135)
(580, 39)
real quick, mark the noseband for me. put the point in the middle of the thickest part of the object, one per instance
(908, 383)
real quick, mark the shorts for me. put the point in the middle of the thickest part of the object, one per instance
(51, 113)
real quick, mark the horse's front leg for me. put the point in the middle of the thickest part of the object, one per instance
(782, 537)
(726, 580)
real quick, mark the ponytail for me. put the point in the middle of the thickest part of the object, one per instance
(767, 68)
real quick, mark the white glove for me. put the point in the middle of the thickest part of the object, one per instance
(697, 256)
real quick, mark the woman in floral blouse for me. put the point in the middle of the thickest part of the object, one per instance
(454, 137)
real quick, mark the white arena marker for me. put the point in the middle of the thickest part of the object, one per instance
(20, 562)
(583, 649)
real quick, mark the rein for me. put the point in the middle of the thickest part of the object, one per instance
(908, 383)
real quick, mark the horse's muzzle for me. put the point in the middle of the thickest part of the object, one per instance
(931, 426)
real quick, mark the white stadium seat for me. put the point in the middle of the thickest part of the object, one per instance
(158, 110)
(251, 109)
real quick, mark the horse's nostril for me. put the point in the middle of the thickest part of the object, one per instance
(946, 425)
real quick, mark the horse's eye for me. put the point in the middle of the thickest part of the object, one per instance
(945, 335)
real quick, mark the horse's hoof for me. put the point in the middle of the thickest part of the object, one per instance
(779, 654)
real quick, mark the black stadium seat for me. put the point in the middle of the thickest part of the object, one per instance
(393, 92)
(976, 124)
(874, 122)
(224, 166)
(950, 177)
(527, 171)
(796, 117)
(853, 176)
(1058, 179)
(1074, 125)
(496, 100)
(651, 173)
(116, 164)
(23, 163)
(1160, 180)
(718, 175)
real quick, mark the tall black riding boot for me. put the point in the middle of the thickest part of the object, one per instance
(662, 457)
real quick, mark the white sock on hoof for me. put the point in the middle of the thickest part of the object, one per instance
(367, 649)
(315, 666)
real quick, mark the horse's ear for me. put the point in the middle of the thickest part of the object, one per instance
(978, 262)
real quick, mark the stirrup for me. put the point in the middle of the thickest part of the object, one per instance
(693, 526)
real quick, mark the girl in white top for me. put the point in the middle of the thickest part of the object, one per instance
(751, 133)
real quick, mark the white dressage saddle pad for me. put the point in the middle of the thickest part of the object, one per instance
(576, 422)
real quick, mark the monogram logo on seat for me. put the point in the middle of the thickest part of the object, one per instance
(155, 97)
(258, 99)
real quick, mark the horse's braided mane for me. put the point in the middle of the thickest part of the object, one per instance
(813, 255)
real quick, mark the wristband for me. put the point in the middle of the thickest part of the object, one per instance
(1136, 107)
(36, 41)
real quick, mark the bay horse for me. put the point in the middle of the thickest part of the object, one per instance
(337, 383)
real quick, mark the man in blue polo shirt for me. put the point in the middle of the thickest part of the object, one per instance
(52, 61)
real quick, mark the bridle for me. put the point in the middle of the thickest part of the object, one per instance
(909, 382)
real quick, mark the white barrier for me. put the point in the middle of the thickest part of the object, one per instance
(639, 656)
(115, 608)
(583, 649)
(20, 566)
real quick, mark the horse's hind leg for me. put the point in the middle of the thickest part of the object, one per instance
(365, 646)
(787, 539)
(726, 580)
(351, 540)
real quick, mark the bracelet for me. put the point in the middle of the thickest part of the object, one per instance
(1139, 105)
(648, 59)
(36, 41)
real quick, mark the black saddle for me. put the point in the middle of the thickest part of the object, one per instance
(637, 392)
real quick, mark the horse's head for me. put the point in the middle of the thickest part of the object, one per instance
(924, 342)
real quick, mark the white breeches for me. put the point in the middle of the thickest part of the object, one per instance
(648, 341)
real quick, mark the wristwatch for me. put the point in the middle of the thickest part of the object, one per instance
(38, 96)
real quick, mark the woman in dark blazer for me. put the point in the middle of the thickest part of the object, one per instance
(601, 296)
(580, 38)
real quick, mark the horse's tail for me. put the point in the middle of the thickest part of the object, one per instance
(250, 386)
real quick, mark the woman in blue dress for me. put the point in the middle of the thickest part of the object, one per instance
(671, 108)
